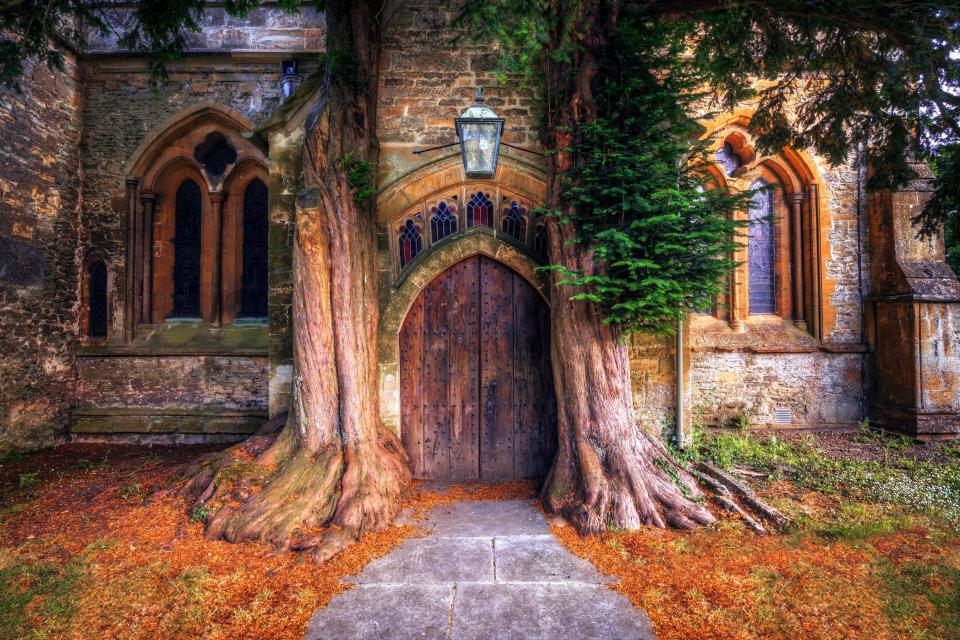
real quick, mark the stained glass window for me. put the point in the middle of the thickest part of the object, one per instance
(443, 221)
(760, 251)
(256, 226)
(540, 240)
(727, 159)
(514, 221)
(186, 251)
(409, 242)
(479, 210)
(97, 299)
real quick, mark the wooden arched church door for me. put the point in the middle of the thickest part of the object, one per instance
(476, 395)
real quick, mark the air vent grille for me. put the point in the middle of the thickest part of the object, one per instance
(782, 416)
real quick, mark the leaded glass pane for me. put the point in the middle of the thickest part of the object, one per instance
(540, 241)
(727, 159)
(186, 251)
(256, 226)
(409, 242)
(443, 221)
(479, 210)
(760, 252)
(97, 300)
(514, 221)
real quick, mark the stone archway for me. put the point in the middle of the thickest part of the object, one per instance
(476, 384)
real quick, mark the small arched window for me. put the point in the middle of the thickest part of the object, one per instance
(97, 299)
(186, 251)
(514, 221)
(409, 241)
(479, 210)
(256, 227)
(760, 251)
(540, 240)
(443, 221)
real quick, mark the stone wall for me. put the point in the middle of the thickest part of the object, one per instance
(425, 84)
(39, 174)
(820, 389)
(265, 28)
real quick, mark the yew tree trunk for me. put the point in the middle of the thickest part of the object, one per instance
(334, 464)
(608, 472)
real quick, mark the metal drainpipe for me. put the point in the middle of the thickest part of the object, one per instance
(681, 443)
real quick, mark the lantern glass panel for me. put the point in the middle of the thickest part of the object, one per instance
(480, 142)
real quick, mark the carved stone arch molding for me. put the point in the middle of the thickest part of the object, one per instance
(204, 143)
(422, 191)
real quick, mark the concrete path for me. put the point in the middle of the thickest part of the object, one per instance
(488, 571)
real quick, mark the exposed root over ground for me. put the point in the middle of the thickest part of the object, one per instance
(270, 490)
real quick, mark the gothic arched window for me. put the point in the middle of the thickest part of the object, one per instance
(254, 287)
(540, 240)
(760, 251)
(479, 210)
(443, 221)
(409, 242)
(514, 221)
(97, 299)
(186, 245)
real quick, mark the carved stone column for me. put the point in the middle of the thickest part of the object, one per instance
(733, 312)
(796, 260)
(217, 199)
(130, 310)
(148, 199)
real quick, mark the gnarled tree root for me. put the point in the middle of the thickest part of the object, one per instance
(270, 490)
(628, 486)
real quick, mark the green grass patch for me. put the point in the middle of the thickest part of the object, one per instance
(929, 488)
(910, 584)
(22, 581)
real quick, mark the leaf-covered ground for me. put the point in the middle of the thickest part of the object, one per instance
(873, 551)
(84, 554)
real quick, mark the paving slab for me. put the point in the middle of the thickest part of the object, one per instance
(486, 518)
(488, 570)
(386, 612)
(568, 611)
(541, 559)
(432, 560)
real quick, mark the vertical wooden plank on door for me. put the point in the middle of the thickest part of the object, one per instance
(545, 406)
(463, 292)
(529, 452)
(436, 442)
(411, 386)
(496, 371)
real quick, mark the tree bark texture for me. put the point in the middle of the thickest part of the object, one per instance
(608, 472)
(334, 464)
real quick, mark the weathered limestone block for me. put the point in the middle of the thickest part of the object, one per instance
(916, 319)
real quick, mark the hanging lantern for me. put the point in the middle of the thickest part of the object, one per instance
(479, 129)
